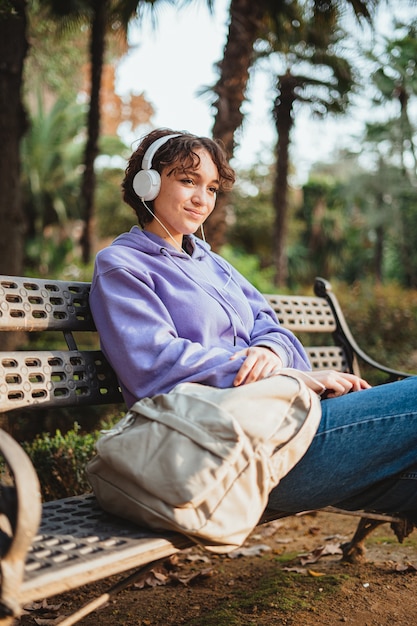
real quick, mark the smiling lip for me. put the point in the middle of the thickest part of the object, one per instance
(194, 213)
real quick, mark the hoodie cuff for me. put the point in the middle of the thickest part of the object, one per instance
(279, 351)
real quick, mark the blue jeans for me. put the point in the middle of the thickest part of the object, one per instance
(364, 455)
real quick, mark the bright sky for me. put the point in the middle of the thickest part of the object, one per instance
(172, 61)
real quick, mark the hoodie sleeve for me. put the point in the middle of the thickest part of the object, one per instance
(140, 340)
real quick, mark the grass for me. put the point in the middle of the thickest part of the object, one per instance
(409, 542)
(274, 593)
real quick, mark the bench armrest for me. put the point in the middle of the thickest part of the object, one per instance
(344, 338)
(20, 513)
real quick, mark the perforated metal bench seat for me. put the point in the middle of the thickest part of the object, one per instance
(76, 543)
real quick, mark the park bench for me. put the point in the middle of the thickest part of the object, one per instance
(50, 548)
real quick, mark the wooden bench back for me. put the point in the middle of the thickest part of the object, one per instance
(73, 376)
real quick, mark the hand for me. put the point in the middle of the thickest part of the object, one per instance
(334, 383)
(260, 362)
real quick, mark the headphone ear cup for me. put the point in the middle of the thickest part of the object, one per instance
(147, 184)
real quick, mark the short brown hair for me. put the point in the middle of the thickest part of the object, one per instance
(183, 149)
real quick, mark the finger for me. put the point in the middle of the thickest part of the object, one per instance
(240, 377)
(241, 374)
(258, 372)
(361, 386)
(253, 368)
(357, 382)
(338, 387)
(335, 392)
(245, 370)
(239, 354)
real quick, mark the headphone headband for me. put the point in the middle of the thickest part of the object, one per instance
(153, 148)
(147, 182)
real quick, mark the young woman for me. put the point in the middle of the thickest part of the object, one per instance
(168, 310)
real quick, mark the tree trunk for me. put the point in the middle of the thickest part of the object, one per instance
(97, 45)
(284, 122)
(13, 124)
(245, 25)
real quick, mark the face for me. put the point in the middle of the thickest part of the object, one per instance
(186, 199)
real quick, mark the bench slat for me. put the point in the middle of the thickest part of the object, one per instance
(84, 378)
(36, 304)
(327, 357)
(56, 378)
(303, 313)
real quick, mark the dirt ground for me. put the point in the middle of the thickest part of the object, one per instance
(289, 572)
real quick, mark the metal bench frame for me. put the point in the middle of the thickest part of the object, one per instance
(58, 546)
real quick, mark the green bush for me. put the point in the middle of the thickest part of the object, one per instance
(60, 461)
(383, 320)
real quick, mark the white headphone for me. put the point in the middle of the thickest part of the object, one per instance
(147, 182)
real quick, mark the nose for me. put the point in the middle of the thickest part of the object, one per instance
(200, 195)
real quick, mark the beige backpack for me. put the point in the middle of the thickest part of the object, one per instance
(202, 460)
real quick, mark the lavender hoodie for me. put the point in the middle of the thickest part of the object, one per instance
(166, 317)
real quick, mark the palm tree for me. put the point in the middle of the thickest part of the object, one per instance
(250, 21)
(324, 88)
(393, 141)
(100, 9)
(395, 80)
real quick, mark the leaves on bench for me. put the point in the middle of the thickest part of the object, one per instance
(169, 572)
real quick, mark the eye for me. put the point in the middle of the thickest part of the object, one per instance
(213, 190)
(187, 181)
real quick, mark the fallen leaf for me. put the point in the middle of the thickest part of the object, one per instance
(42, 606)
(172, 562)
(153, 578)
(406, 567)
(255, 550)
(46, 613)
(197, 557)
(268, 529)
(312, 572)
(196, 576)
(318, 553)
(297, 570)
